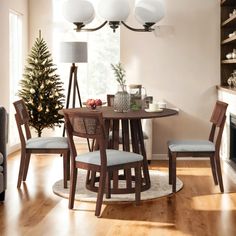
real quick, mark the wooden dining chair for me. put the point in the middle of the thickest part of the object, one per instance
(90, 124)
(201, 148)
(29, 145)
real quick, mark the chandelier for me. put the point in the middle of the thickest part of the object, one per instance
(114, 13)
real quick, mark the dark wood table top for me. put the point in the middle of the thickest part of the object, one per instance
(109, 113)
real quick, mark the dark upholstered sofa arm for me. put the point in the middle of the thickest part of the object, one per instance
(3, 158)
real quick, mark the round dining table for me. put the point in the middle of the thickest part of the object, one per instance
(131, 132)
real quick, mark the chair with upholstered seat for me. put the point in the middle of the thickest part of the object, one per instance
(105, 162)
(29, 145)
(201, 148)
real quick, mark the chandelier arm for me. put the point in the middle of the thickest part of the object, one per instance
(79, 27)
(145, 29)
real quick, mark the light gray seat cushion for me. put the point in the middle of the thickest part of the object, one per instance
(47, 142)
(191, 146)
(1, 169)
(114, 157)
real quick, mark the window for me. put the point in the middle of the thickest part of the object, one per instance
(15, 65)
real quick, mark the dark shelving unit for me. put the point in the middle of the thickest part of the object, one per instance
(228, 26)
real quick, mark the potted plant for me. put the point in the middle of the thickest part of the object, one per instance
(119, 72)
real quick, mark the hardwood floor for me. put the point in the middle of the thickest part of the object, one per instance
(198, 209)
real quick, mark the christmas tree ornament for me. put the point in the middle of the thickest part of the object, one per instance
(32, 91)
(40, 108)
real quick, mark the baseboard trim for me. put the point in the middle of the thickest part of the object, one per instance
(13, 148)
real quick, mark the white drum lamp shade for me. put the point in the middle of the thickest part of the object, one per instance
(78, 11)
(149, 11)
(114, 10)
(73, 52)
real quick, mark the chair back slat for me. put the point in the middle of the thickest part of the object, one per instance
(21, 111)
(219, 136)
(85, 124)
(22, 119)
(218, 121)
(110, 100)
(110, 103)
(218, 114)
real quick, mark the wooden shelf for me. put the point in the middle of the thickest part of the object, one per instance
(228, 44)
(231, 61)
(230, 21)
(229, 40)
(227, 2)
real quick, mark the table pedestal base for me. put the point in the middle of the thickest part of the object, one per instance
(116, 183)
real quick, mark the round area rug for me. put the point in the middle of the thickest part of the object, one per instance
(159, 188)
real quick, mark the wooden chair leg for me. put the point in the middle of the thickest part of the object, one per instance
(108, 185)
(128, 178)
(213, 169)
(88, 177)
(170, 166)
(68, 165)
(115, 176)
(26, 165)
(65, 169)
(101, 188)
(94, 145)
(173, 170)
(138, 184)
(93, 178)
(219, 173)
(21, 169)
(73, 178)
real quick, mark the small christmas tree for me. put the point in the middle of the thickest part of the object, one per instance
(41, 88)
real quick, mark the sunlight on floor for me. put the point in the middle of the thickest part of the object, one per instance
(214, 202)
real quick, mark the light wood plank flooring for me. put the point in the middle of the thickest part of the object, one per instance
(198, 209)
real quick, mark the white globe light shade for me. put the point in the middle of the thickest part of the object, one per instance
(149, 11)
(114, 10)
(78, 11)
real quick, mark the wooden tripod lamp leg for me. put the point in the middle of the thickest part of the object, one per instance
(69, 91)
(73, 79)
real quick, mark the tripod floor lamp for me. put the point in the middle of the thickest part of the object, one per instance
(73, 52)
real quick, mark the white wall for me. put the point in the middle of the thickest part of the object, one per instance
(41, 18)
(20, 6)
(182, 69)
